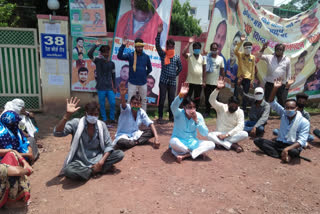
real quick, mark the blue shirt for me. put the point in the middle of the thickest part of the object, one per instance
(232, 71)
(143, 66)
(128, 125)
(186, 129)
(285, 125)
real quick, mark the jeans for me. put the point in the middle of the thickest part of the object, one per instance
(112, 103)
(248, 126)
(142, 89)
(310, 137)
(163, 92)
(281, 95)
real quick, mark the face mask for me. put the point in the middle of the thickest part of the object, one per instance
(189, 112)
(196, 51)
(290, 113)
(300, 105)
(258, 96)
(135, 108)
(232, 109)
(247, 50)
(92, 119)
(214, 52)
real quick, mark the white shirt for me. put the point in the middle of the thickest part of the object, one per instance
(277, 69)
(212, 77)
(232, 123)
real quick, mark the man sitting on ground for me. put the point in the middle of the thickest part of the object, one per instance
(91, 148)
(230, 121)
(128, 133)
(294, 129)
(302, 99)
(258, 114)
(184, 142)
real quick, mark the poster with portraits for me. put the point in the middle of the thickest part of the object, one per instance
(87, 18)
(83, 69)
(300, 34)
(134, 22)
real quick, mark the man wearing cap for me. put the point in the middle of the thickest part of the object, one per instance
(139, 68)
(258, 114)
(246, 69)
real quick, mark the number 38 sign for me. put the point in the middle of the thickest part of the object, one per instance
(53, 46)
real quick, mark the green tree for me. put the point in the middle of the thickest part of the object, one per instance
(298, 5)
(182, 23)
(7, 16)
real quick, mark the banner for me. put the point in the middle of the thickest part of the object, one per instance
(87, 18)
(300, 34)
(145, 28)
(83, 69)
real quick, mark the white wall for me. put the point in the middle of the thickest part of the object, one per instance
(202, 12)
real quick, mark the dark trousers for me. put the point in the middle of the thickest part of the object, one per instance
(281, 95)
(274, 148)
(245, 89)
(127, 144)
(76, 171)
(197, 93)
(207, 92)
(163, 92)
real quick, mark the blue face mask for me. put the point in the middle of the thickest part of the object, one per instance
(196, 51)
(290, 113)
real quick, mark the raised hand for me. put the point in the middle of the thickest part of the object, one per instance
(191, 39)
(72, 105)
(221, 83)
(277, 82)
(98, 42)
(124, 40)
(243, 37)
(265, 45)
(160, 27)
(184, 89)
(290, 82)
(122, 88)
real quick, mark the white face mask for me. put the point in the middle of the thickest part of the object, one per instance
(258, 96)
(247, 50)
(91, 119)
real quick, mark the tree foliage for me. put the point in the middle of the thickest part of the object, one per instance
(182, 23)
(298, 5)
(7, 16)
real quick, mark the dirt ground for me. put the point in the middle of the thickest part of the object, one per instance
(150, 181)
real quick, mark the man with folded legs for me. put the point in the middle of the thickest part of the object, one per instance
(230, 121)
(294, 129)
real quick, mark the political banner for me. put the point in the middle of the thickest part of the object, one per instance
(83, 69)
(87, 18)
(300, 34)
(136, 21)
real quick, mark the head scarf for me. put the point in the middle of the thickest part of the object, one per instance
(11, 137)
(14, 105)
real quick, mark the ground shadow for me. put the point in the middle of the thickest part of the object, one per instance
(168, 157)
(315, 144)
(14, 210)
(258, 152)
(65, 182)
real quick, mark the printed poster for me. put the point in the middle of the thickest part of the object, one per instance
(87, 18)
(146, 28)
(300, 34)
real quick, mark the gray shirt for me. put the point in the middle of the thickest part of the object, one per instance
(89, 151)
(259, 113)
(305, 114)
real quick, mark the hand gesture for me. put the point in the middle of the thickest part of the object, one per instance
(221, 83)
(98, 42)
(291, 81)
(124, 40)
(156, 143)
(184, 89)
(194, 116)
(160, 27)
(191, 39)
(265, 45)
(222, 136)
(28, 168)
(123, 89)
(277, 82)
(253, 132)
(243, 37)
(72, 105)
(96, 168)
(285, 156)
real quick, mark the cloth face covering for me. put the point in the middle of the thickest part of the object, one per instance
(196, 51)
(169, 54)
(92, 119)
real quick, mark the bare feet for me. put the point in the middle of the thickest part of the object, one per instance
(181, 157)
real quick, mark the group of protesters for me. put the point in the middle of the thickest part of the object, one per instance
(93, 151)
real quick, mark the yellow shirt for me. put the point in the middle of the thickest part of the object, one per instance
(246, 64)
(195, 69)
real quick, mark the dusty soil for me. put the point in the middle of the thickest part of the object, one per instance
(150, 181)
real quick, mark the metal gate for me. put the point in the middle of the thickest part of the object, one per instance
(19, 67)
